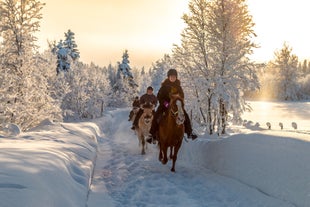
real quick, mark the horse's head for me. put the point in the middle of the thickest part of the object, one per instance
(176, 108)
(147, 115)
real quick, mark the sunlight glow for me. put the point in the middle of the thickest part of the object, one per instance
(148, 29)
(280, 21)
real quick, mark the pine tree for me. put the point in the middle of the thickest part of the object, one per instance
(71, 46)
(62, 53)
(66, 52)
(125, 87)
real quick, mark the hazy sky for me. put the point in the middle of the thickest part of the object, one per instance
(148, 28)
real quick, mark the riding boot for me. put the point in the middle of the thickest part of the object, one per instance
(130, 115)
(135, 122)
(192, 136)
(154, 127)
(152, 136)
(188, 127)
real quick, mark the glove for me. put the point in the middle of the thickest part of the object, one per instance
(166, 104)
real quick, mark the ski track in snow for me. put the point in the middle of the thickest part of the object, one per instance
(124, 177)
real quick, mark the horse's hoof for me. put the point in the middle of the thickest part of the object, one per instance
(143, 153)
(164, 162)
(172, 170)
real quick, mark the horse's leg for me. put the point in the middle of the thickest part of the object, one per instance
(145, 136)
(175, 155)
(139, 137)
(143, 144)
(164, 151)
(171, 150)
(160, 155)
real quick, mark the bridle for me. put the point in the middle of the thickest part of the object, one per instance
(178, 114)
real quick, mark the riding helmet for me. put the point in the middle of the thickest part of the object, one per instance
(172, 72)
(150, 88)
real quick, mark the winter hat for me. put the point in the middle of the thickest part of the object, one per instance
(172, 72)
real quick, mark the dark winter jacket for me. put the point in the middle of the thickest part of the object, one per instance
(147, 98)
(136, 103)
(167, 88)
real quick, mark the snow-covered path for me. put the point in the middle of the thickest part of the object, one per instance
(123, 177)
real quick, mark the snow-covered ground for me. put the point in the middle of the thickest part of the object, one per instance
(99, 164)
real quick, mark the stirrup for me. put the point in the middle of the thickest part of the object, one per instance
(192, 136)
(151, 139)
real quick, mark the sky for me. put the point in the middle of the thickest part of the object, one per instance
(99, 163)
(104, 29)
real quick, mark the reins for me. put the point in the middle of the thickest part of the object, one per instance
(174, 113)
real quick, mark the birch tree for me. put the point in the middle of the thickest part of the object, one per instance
(286, 64)
(19, 22)
(214, 54)
(26, 100)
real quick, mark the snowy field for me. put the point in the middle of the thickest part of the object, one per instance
(99, 164)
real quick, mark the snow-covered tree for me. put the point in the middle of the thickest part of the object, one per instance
(111, 74)
(214, 58)
(71, 46)
(83, 90)
(125, 86)
(305, 87)
(145, 80)
(19, 22)
(62, 53)
(66, 52)
(26, 100)
(159, 71)
(286, 64)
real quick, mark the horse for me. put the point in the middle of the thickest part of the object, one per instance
(171, 130)
(144, 125)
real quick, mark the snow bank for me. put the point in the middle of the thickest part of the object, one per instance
(275, 165)
(9, 130)
(49, 166)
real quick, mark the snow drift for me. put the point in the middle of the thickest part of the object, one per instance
(273, 164)
(53, 165)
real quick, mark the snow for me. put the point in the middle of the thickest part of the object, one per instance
(99, 163)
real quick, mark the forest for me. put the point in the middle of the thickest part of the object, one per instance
(213, 60)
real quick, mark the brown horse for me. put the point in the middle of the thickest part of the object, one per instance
(171, 130)
(144, 125)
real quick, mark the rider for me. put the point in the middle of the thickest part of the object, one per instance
(148, 97)
(171, 85)
(135, 104)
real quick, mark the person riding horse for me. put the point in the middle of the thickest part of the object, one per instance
(135, 105)
(147, 98)
(171, 85)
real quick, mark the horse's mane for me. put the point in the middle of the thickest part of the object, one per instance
(176, 96)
